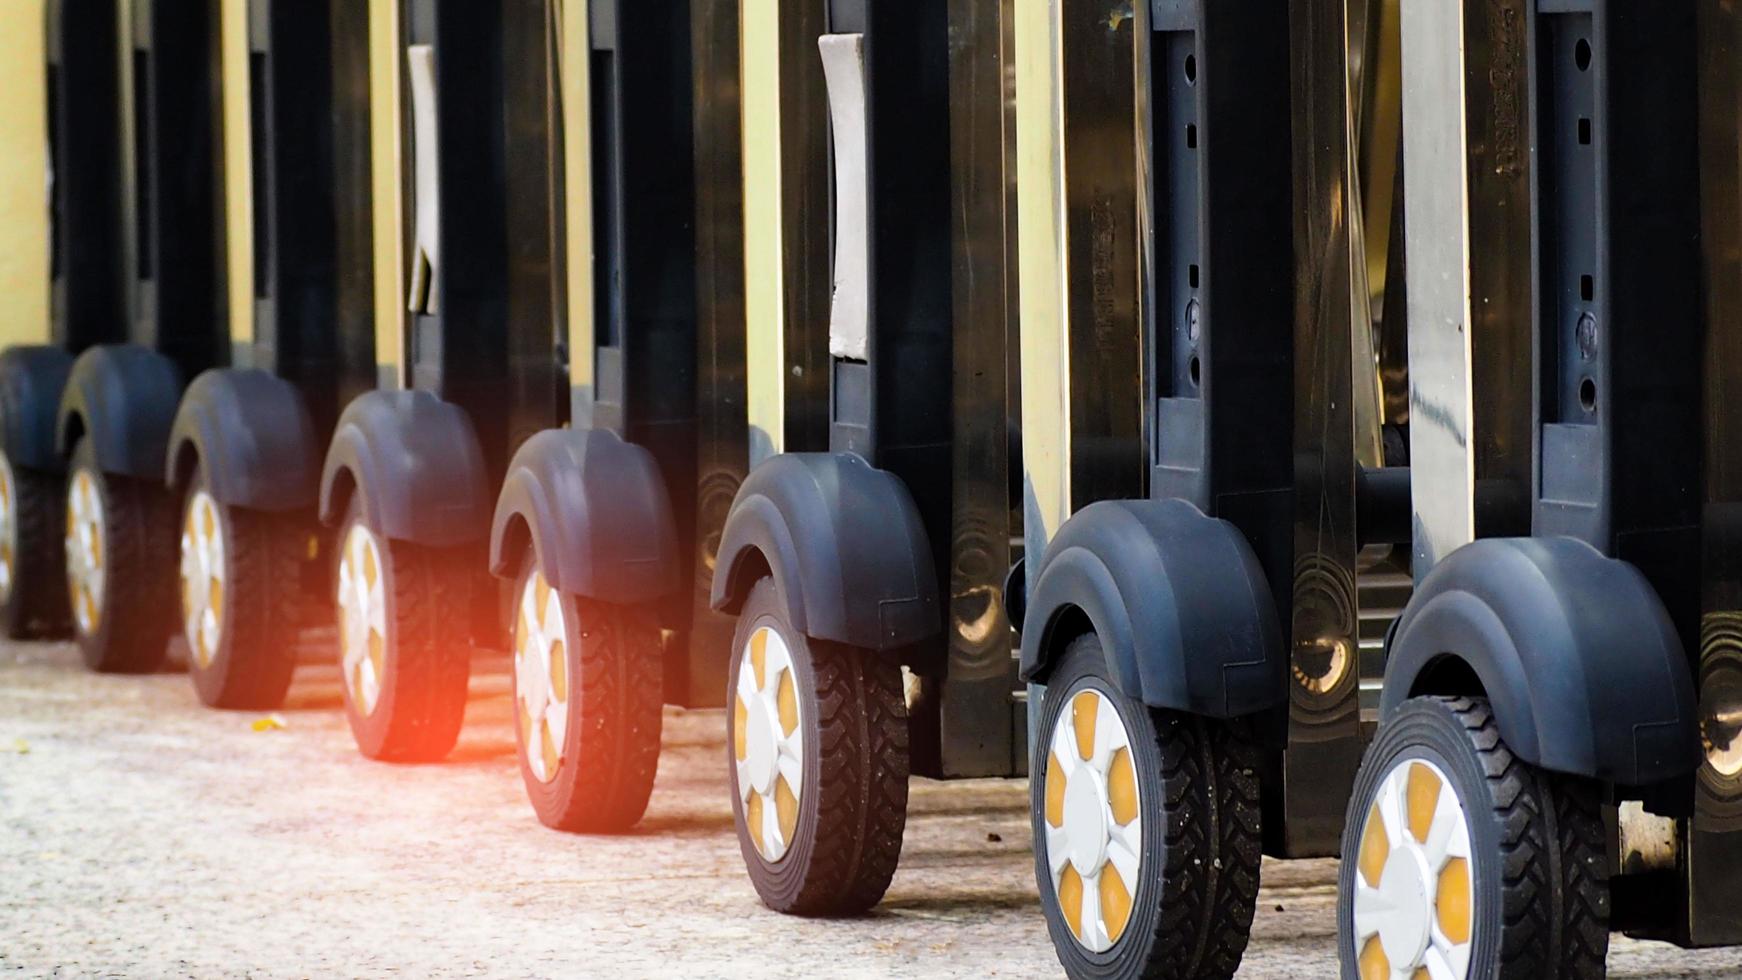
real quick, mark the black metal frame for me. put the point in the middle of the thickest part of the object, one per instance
(176, 274)
(913, 444)
(86, 227)
(1714, 835)
(86, 223)
(124, 396)
(258, 429)
(665, 410)
(298, 89)
(1618, 450)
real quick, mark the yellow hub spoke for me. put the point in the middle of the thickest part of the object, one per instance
(541, 676)
(768, 742)
(1093, 814)
(1414, 907)
(362, 604)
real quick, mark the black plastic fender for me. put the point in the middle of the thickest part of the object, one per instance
(252, 433)
(1178, 600)
(1574, 650)
(845, 544)
(123, 397)
(31, 381)
(594, 510)
(416, 462)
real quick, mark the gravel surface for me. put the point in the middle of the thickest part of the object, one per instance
(146, 836)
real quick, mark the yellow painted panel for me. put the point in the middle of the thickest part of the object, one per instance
(385, 189)
(24, 206)
(576, 55)
(764, 248)
(1041, 268)
(238, 169)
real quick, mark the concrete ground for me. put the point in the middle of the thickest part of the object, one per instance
(143, 835)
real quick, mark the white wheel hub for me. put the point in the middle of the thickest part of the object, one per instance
(202, 577)
(8, 528)
(1094, 826)
(362, 618)
(768, 742)
(85, 551)
(541, 676)
(1414, 902)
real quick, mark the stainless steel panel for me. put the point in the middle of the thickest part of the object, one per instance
(723, 442)
(1713, 867)
(981, 731)
(1501, 296)
(1442, 474)
(1102, 201)
(1324, 743)
(1470, 294)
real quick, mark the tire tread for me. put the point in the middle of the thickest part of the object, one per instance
(862, 804)
(38, 605)
(257, 651)
(619, 693)
(1554, 889)
(140, 542)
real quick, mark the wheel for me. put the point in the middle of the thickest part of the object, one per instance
(402, 645)
(1146, 829)
(240, 586)
(818, 764)
(120, 547)
(1463, 862)
(33, 599)
(588, 702)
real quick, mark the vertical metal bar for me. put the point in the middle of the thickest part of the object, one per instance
(1103, 295)
(89, 294)
(24, 158)
(1362, 20)
(353, 199)
(1324, 743)
(764, 253)
(1080, 292)
(178, 269)
(1470, 295)
(575, 49)
(387, 191)
(1618, 323)
(130, 190)
(786, 203)
(1435, 151)
(238, 176)
(1501, 292)
(1042, 266)
(1714, 835)
(536, 275)
(723, 443)
(144, 201)
(980, 729)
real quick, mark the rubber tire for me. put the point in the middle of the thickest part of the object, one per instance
(251, 668)
(427, 662)
(1197, 777)
(853, 807)
(140, 538)
(1538, 847)
(36, 608)
(616, 672)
